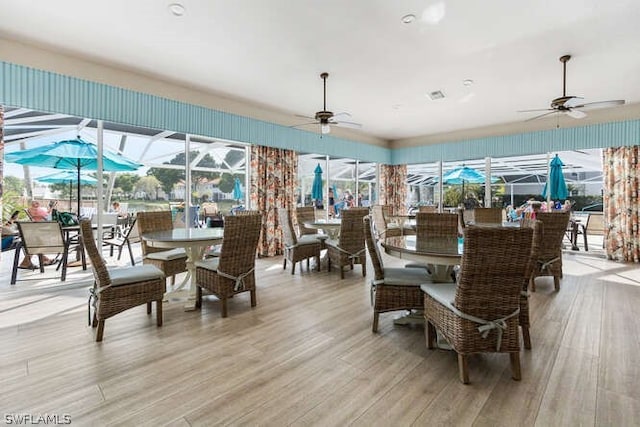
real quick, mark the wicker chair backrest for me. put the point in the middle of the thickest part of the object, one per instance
(494, 268)
(306, 214)
(153, 221)
(352, 230)
(487, 215)
(98, 266)
(374, 250)
(288, 234)
(433, 224)
(240, 243)
(554, 226)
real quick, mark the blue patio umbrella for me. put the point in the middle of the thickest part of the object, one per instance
(464, 174)
(237, 190)
(556, 186)
(316, 188)
(74, 154)
(67, 176)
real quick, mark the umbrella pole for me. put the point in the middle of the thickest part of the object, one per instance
(70, 193)
(78, 213)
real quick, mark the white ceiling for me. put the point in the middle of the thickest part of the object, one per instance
(272, 52)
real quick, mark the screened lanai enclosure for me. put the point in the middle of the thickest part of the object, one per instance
(214, 165)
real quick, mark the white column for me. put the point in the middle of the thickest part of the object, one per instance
(487, 182)
(187, 181)
(100, 203)
(247, 176)
(440, 188)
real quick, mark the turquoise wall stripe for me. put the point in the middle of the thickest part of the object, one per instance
(50, 92)
(593, 136)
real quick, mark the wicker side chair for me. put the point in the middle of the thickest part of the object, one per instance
(233, 271)
(487, 215)
(170, 261)
(428, 209)
(392, 289)
(433, 224)
(549, 262)
(297, 250)
(308, 214)
(350, 248)
(481, 313)
(384, 229)
(119, 289)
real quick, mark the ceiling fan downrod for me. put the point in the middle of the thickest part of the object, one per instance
(564, 59)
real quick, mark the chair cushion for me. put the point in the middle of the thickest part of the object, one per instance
(444, 293)
(209, 264)
(139, 273)
(168, 255)
(393, 225)
(308, 239)
(406, 276)
(416, 265)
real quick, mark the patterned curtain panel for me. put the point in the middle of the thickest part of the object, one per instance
(273, 182)
(621, 186)
(393, 187)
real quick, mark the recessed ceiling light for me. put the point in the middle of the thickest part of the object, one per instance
(177, 9)
(467, 82)
(408, 19)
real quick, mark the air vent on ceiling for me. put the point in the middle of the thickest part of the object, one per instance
(435, 95)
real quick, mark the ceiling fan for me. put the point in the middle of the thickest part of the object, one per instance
(326, 118)
(572, 106)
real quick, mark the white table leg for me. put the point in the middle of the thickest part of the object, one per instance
(193, 253)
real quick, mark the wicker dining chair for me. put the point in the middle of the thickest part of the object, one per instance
(297, 249)
(549, 262)
(487, 215)
(392, 289)
(433, 224)
(118, 289)
(428, 209)
(170, 261)
(382, 227)
(308, 214)
(233, 271)
(349, 249)
(481, 313)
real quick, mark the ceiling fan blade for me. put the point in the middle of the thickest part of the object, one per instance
(541, 115)
(602, 104)
(572, 102)
(350, 125)
(343, 114)
(305, 117)
(535, 110)
(576, 114)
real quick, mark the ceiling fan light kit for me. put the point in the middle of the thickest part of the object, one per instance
(326, 118)
(568, 104)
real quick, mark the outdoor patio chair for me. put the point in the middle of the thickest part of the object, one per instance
(308, 214)
(233, 271)
(349, 249)
(119, 240)
(170, 261)
(383, 228)
(41, 238)
(297, 249)
(481, 313)
(118, 289)
(392, 289)
(549, 260)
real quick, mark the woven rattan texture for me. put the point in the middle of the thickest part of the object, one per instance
(350, 249)
(494, 270)
(554, 226)
(238, 256)
(429, 225)
(159, 221)
(294, 252)
(487, 215)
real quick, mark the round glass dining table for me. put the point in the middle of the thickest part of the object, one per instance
(439, 254)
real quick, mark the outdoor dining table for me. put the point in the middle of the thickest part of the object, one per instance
(194, 241)
(441, 255)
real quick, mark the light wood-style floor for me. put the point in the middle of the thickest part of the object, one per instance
(306, 356)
